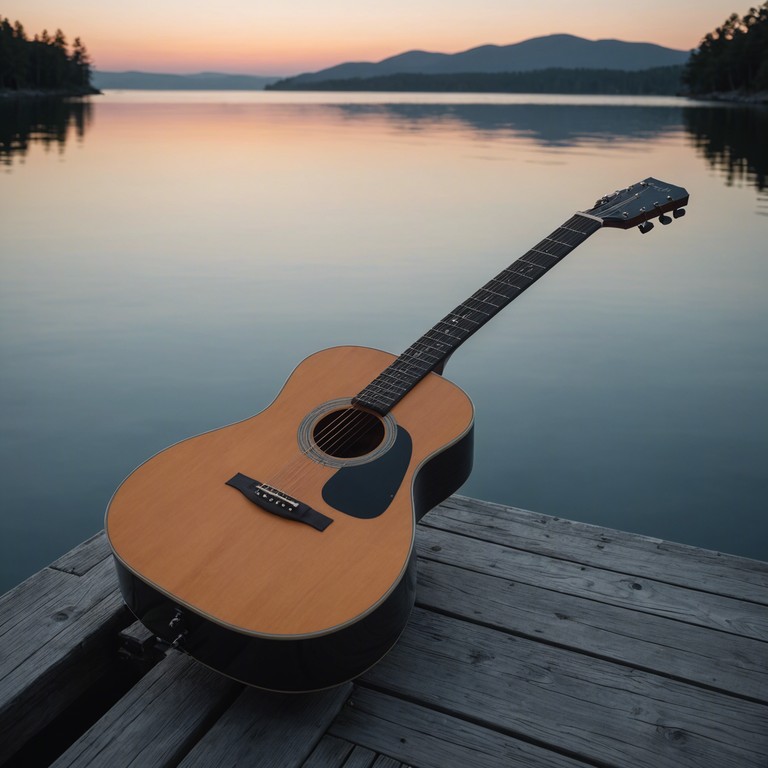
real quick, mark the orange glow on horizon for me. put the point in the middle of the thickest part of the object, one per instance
(301, 35)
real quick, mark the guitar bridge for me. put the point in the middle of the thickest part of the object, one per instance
(278, 503)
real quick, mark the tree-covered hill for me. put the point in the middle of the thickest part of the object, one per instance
(43, 63)
(733, 57)
(659, 80)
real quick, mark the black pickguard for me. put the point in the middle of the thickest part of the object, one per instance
(366, 490)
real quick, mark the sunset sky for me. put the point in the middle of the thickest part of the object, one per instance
(285, 37)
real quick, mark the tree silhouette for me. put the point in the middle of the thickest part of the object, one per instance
(734, 57)
(43, 63)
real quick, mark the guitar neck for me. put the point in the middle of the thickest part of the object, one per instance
(430, 352)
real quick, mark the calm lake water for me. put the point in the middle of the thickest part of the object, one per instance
(168, 258)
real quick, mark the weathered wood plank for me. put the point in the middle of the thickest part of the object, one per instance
(429, 739)
(592, 709)
(38, 593)
(268, 729)
(57, 647)
(361, 758)
(629, 553)
(85, 556)
(330, 752)
(382, 761)
(158, 720)
(729, 663)
(641, 593)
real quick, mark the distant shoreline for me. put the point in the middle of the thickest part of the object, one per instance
(733, 97)
(658, 81)
(39, 93)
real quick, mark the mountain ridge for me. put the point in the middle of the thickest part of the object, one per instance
(550, 51)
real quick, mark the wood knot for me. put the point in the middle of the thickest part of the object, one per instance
(60, 616)
(675, 735)
(478, 657)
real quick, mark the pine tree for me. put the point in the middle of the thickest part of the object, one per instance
(43, 63)
(733, 57)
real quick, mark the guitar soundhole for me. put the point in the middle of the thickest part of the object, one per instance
(348, 433)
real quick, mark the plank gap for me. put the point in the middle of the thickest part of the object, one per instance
(481, 723)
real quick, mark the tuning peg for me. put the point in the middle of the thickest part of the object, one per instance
(646, 227)
(664, 219)
(678, 212)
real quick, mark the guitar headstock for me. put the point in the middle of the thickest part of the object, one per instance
(639, 203)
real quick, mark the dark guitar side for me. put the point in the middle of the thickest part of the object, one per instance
(269, 601)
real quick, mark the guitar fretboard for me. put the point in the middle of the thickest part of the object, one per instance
(431, 351)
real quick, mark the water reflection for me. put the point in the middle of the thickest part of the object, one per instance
(546, 124)
(201, 229)
(46, 121)
(733, 142)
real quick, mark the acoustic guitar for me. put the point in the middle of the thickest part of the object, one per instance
(279, 550)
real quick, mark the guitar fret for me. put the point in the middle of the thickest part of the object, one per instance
(540, 258)
(388, 390)
(433, 348)
(474, 316)
(401, 363)
(389, 379)
(517, 280)
(552, 248)
(408, 354)
(567, 236)
(493, 293)
(506, 296)
(438, 342)
(459, 318)
(531, 271)
(477, 310)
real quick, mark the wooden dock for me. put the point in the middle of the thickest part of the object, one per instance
(536, 642)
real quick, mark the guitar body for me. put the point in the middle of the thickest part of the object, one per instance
(272, 601)
(279, 550)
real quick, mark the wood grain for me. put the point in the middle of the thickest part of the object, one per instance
(263, 730)
(595, 710)
(725, 662)
(158, 721)
(55, 643)
(629, 553)
(421, 736)
(639, 592)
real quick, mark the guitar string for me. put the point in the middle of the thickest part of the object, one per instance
(354, 424)
(291, 473)
(341, 433)
(573, 235)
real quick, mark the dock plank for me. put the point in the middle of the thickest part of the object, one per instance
(361, 758)
(641, 592)
(54, 648)
(85, 556)
(330, 752)
(535, 642)
(158, 721)
(264, 730)
(629, 553)
(725, 662)
(428, 738)
(582, 706)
